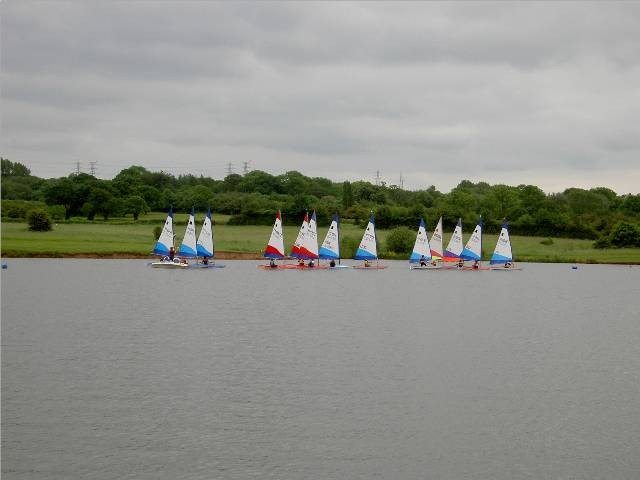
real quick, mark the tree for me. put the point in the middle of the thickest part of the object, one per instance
(347, 195)
(136, 205)
(13, 169)
(625, 234)
(38, 220)
(400, 240)
(100, 202)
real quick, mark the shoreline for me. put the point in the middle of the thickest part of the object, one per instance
(225, 255)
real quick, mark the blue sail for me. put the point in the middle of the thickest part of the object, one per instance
(368, 249)
(421, 249)
(330, 249)
(165, 242)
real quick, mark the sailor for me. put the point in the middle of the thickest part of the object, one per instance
(475, 264)
(332, 263)
(172, 253)
(300, 262)
(460, 263)
(205, 260)
(272, 263)
(311, 264)
(507, 264)
(423, 261)
(366, 262)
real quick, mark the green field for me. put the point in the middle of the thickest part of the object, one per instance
(118, 238)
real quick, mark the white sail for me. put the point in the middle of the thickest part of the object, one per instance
(367, 249)
(204, 246)
(165, 242)
(502, 252)
(436, 241)
(275, 247)
(454, 247)
(473, 248)
(421, 249)
(188, 246)
(330, 248)
(300, 239)
(309, 248)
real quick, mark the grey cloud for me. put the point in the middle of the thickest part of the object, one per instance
(499, 89)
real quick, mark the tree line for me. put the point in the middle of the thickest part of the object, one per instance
(254, 197)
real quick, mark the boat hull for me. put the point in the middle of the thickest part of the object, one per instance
(425, 267)
(169, 265)
(371, 267)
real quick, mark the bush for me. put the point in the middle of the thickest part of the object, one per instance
(547, 241)
(602, 242)
(625, 234)
(400, 240)
(38, 220)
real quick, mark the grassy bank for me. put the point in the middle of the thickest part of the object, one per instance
(118, 238)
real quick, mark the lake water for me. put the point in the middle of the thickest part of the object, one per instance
(113, 370)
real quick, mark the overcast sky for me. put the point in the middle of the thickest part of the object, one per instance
(538, 93)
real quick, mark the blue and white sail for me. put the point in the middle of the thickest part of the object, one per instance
(502, 252)
(421, 249)
(367, 249)
(165, 242)
(330, 249)
(204, 245)
(473, 249)
(188, 246)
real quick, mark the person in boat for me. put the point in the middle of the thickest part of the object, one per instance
(183, 261)
(205, 260)
(434, 263)
(507, 265)
(366, 263)
(460, 263)
(423, 261)
(332, 263)
(311, 264)
(272, 263)
(475, 264)
(172, 253)
(300, 262)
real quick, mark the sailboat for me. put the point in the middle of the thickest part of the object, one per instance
(454, 247)
(436, 242)
(275, 246)
(309, 248)
(473, 249)
(421, 253)
(503, 255)
(368, 250)
(297, 245)
(164, 246)
(330, 249)
(204, 245)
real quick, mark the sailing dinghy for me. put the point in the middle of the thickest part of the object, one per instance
(473, 249)
(204, 245)
(454, 247)
(421, 255)
(165, 244)
(502, 258)
(275, 246)
(436, 243)
(367, 250)
(330, 249)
